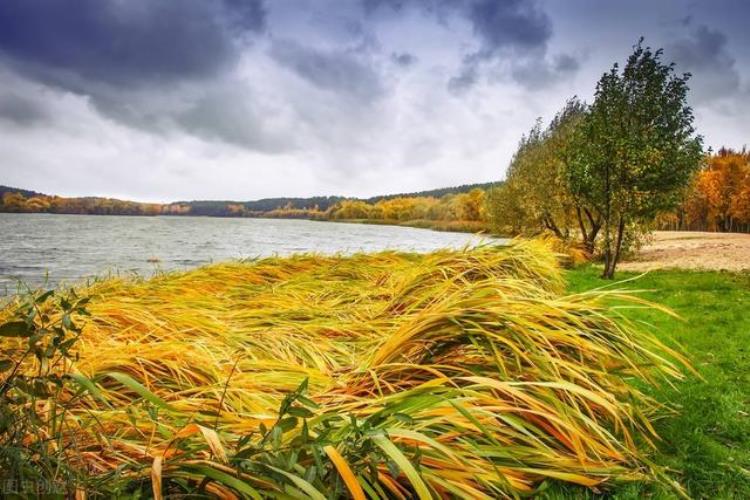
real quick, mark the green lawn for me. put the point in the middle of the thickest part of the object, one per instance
(708, 442)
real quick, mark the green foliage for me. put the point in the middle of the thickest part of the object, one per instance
(707, 441)
(636, 148)
(536, 197)
(38, 339)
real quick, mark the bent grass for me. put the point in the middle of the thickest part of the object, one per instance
(456, 373)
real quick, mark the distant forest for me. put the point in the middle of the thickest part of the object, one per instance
(323, 203)
(23, 200)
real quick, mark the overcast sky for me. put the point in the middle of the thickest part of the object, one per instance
(161, 100)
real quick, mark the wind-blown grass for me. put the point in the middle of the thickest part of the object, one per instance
(455, 373)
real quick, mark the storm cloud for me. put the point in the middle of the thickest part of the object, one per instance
(190, 99)
(125, 43)
(21, 110)
(704, 53)
(515, 24)
(336, 71)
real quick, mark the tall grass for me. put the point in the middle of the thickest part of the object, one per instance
(455, 373)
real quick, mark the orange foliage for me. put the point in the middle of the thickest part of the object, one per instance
(718, 199)
(463, 207)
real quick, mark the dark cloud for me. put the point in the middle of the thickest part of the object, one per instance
(439, 7)
(535, 74)
(467, 78)
(404, 59)
(500, 24)
(125, 42)
(514, 24)
(133, 59)
(245, 15)
(505, 29)
(335, 70)
(705, 49)
(566, 63)
(705, 54)
(21, 111)
(231, 115)
(513, 36)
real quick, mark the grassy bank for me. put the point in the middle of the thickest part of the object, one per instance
(708, 441)
(456, 373)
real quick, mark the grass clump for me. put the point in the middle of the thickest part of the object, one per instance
(456, 373)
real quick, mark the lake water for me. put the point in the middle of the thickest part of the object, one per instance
(69, 248)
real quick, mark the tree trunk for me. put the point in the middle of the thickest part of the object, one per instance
(588, 237)
(607, 250)
(582, 226)
(609, 268)
(550, 224)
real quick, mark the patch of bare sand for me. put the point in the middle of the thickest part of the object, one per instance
(693, 250)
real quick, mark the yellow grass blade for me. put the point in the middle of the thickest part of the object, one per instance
(346, 473)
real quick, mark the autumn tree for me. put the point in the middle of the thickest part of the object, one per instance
(635, 149)
(505, 209)
(536, 196)
(13, 202)
(722, 184)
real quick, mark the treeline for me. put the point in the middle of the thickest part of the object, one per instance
(464, 211)
(15, 201)
(435, 193)
(462, 203)
(24, 192)
(717, 198)
(258, 208)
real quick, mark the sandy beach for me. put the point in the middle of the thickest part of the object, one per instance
(693, 250)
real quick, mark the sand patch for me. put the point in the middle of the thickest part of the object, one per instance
(693, 250)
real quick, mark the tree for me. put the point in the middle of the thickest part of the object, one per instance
(13, 202)
(635, 149)
(724, 180)
(536, 196)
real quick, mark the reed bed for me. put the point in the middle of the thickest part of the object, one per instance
(464, 374)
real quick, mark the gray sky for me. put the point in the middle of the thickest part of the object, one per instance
(243, 99)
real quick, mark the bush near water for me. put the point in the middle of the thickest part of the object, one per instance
(451, 374)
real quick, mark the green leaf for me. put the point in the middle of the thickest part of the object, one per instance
(15, 329)
(88, 385)
(307, 402)
(403, 417)
(405, 465)
(298, 411)
(139, 389)
(67, 322)
(287, 424)
(276, 437)
(43, 297)
(300, 483)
